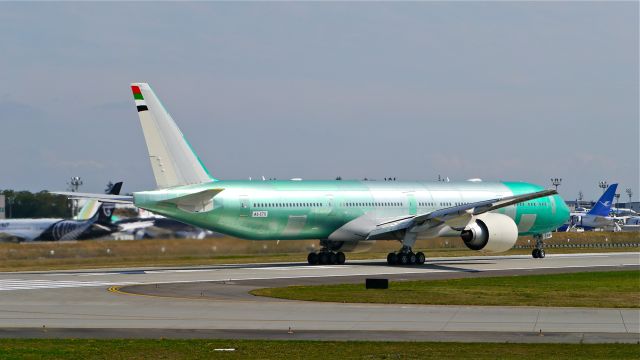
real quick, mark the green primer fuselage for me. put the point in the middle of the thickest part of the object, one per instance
(295, 210)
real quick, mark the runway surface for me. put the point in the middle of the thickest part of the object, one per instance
(212, 301)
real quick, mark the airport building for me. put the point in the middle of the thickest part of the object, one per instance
(2, 207)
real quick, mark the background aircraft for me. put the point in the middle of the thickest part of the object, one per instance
(596, 217)
(94, 221)
(488, 216)
(631, 224)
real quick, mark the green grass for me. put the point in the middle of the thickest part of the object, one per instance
(260, 349)
(611, 289)
(227, 250)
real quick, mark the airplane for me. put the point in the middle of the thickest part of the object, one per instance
(158, 226)
(631, 224)
(93, 221)
(598, 216)
(616, 211)
(341, 214)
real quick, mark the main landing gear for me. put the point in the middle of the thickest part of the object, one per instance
(405, 257)
(326, 258)
(538, 252)
(328, 254)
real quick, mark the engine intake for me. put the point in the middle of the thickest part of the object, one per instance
(490, 232)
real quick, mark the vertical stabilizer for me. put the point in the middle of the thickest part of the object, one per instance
(105, 211)
(603, 206)
(173, 161)
(98, 209)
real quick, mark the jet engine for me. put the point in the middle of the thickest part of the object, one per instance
(490, 232)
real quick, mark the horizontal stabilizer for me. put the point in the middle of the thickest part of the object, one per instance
(197, 202)
(106, 198)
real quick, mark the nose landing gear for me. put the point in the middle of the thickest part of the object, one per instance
(538, 252)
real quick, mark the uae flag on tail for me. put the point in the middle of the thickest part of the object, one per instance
(137, 96)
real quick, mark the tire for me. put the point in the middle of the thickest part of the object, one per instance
(535, 254)
(312, 258)
(392, 259)
(323, 258)
(403, 259)
(420, 258)
(541, 254)
(413, 259)
(333, 258)
(340, 258)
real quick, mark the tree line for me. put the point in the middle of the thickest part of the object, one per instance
(25, 204)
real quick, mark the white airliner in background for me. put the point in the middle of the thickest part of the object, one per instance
(94, 220)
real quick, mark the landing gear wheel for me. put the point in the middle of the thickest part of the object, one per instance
(392, 258)
(403, 259)
(538, 252)
(312, 258)
(340, 258)
(323, 258)
(333, 259)
(412, 258)
(420, 258)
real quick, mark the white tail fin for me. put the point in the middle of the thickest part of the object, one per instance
(173, 161)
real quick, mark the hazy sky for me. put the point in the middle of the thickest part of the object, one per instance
(498, 91)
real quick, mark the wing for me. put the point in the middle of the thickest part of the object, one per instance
(456, 216)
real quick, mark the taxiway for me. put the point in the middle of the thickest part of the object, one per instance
(212, 301)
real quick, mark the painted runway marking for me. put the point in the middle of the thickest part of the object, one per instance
(20, 284)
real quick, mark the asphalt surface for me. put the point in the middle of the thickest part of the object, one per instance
(212, 302)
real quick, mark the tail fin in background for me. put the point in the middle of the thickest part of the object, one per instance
(105, 211)
(173, 161)
(93, 208)
(603, 206)
(88, 210)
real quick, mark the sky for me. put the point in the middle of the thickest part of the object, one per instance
(522, 91)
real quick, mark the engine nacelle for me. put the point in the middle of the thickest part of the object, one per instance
(490, 232)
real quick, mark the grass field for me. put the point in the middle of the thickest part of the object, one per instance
(226, 250)
(611, 289)
(258, 349)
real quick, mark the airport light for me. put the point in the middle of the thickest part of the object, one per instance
(74, 185)
(629, 193)
(603, 185)
(580, 197)
(10, 203)
(556, 182)
(617, 196)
